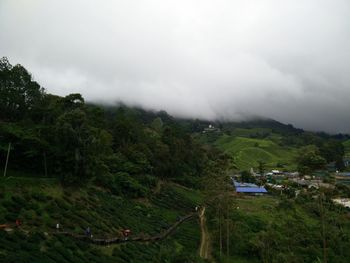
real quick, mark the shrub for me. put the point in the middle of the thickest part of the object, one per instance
(148, 181)
(29, 215)
(39, 196)
(62, 204)
(123, 184)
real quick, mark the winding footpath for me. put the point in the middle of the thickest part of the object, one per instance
(204, 250)
(117, 240)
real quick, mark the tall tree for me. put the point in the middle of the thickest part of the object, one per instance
(19, 94)
(309, 159)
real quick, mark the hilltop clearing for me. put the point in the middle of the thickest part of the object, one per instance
(271, 144)
(247, 152)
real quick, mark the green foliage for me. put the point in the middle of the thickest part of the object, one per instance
(122, 183)
(249, 152)
(80, 146)
(274, 144)
(247, 177)
(106, 215)
(120, 161)
(346, 145)
(309, 159)
(66, 138)
(19, 94)
(267, 229)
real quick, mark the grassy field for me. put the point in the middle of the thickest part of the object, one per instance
(247, 152)
(41, 203)
(347, 148)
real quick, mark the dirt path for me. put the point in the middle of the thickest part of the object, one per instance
(204, 250)
(116, 240)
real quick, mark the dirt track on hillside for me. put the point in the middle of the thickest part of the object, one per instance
(204, 250)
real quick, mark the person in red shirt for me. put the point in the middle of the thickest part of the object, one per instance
(126, 233)
(18, 223)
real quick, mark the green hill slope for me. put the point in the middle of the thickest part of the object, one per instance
(247, 152)
(347, 148)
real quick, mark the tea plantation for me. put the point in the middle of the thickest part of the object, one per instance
(41, 203)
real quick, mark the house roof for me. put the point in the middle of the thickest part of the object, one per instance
(238, 184)
(344, 174)
(251, 190)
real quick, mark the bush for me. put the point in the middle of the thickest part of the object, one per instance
(32, 205)
(188, 181)
(11, 217)
(285, 204)
(29, 215)
(11, 206)
(123, 184)
(39, 196)
(148, 181)
(62, 204)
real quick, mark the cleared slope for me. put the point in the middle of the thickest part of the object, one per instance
(347, 148)
(247, 152)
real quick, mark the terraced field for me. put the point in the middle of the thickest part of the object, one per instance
(247, 152)
(40, 204)
(347, 148)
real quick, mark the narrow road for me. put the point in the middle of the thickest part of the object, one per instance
(204, 250)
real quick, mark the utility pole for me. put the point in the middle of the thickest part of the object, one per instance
(7, 158)
(227, 218)
(220, 232)
(228, 228)
(323, 228)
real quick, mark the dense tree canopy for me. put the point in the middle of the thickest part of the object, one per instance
(75, 141)
(125, 151)
(309, 159)
(19, 94)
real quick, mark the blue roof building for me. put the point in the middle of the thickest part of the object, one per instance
(238, 184)
(251, 190)
(343, 174)
(248, 188)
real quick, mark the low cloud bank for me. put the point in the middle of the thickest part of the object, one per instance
(287, 60)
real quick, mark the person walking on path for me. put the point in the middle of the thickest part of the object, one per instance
(18, 223)
(58, 227)
(126, 233)
(88, 232)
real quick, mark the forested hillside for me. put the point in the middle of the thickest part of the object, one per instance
(69, 162)
(63, 137)
(273, 144)
(168, 181)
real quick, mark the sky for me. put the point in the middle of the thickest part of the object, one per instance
(222, 59)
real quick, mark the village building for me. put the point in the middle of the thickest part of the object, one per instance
(248, 188)
(346, 161)
(210, 128)
(316, 184)
(343, 202)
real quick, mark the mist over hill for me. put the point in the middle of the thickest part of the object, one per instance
(287, 60)
(174, 131)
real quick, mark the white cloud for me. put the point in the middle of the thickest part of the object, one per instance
(288, 60)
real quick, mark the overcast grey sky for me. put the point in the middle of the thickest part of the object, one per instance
(284, 59)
